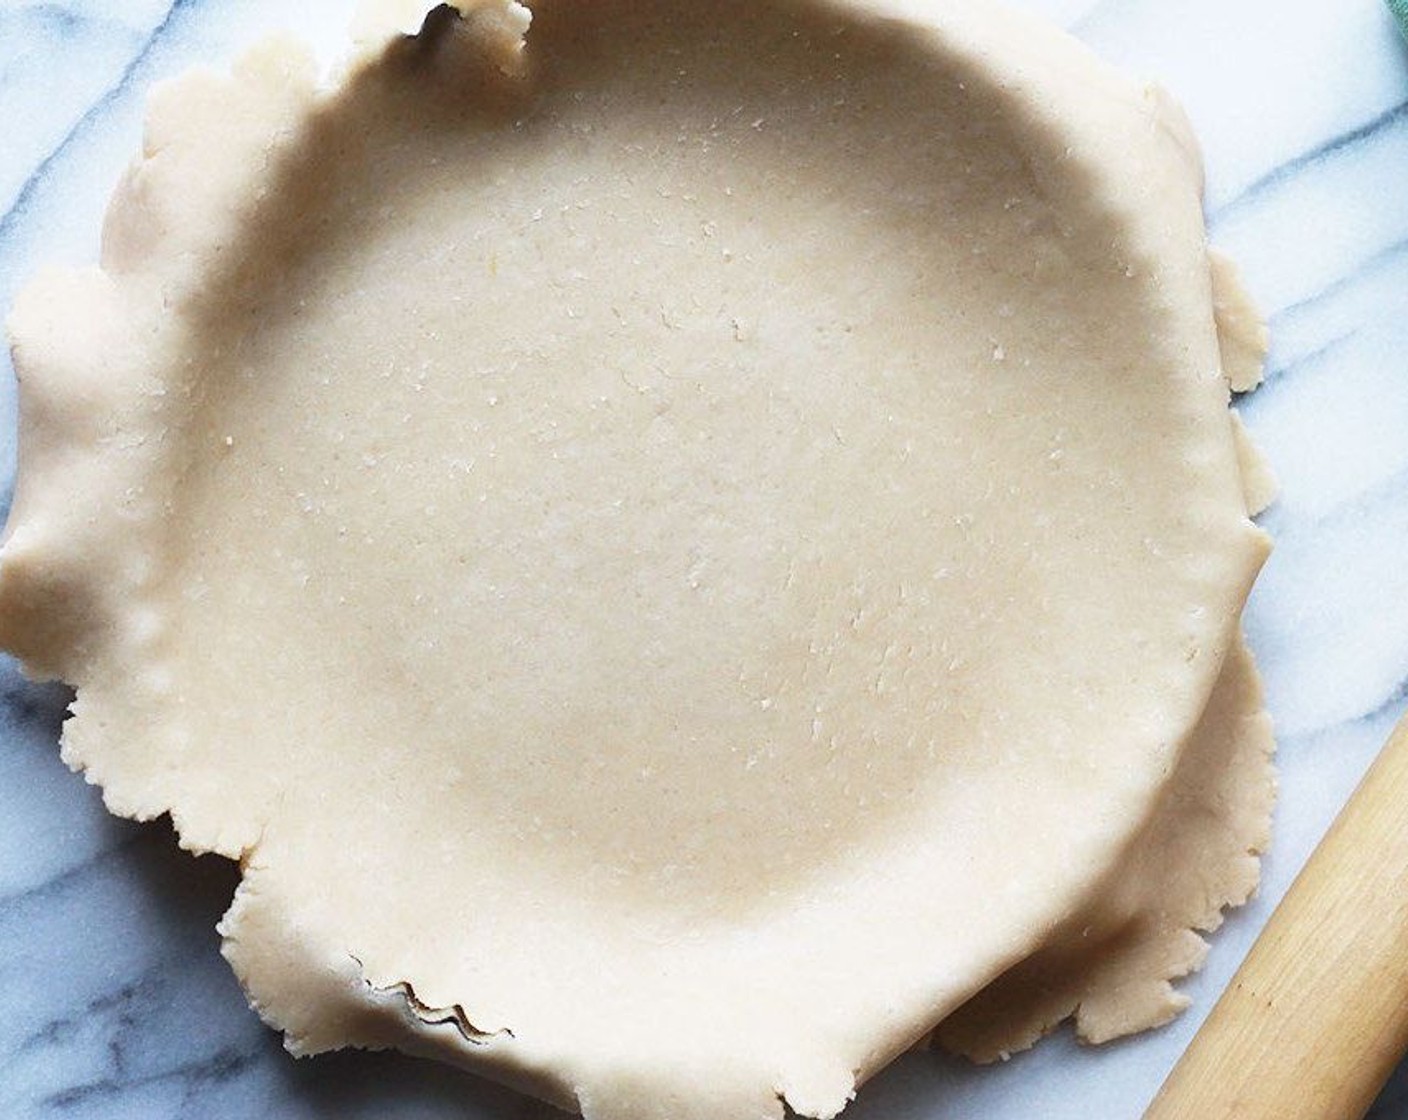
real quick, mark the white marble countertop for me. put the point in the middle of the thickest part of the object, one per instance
(114, 1001)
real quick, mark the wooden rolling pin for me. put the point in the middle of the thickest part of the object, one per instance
(1316, 1018)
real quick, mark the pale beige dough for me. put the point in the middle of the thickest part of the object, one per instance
(1242, 336)
(674, 555)
(1110, 965)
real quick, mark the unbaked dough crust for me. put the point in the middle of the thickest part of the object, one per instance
(1109, 967)
(673, 555)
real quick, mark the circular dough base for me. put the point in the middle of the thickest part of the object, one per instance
(674, 554)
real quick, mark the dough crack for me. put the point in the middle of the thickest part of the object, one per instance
(430, 1015)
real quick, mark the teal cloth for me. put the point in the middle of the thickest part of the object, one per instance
(1399, 8)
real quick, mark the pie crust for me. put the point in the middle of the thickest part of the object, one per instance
(675, 545)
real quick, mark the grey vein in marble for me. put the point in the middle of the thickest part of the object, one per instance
(71, 30)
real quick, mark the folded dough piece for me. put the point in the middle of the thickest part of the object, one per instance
(674, 551)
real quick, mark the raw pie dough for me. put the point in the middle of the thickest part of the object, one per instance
(676, 545)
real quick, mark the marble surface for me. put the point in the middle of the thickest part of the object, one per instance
(114, 1001)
